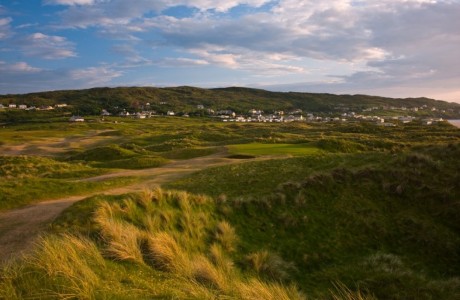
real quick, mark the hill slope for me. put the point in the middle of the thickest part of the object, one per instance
(92, 101)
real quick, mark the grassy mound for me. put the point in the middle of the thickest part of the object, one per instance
(28, 179)
(105, 153)
(140, 162)
(386, 224)
(14, 167)
(190, 153)
(340, 146)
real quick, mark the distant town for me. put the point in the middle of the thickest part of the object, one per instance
(258, 115)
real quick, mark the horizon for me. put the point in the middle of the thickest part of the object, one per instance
(390, 48)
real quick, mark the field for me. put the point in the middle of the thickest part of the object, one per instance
(260, 211)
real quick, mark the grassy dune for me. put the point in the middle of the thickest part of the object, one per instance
(158, 244)
(28, 179)
(387, 224)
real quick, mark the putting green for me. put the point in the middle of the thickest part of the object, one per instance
(273, 149)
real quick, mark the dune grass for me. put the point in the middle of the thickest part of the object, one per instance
(29, 179)
(174, 261)
(385, 226)
(373, 214)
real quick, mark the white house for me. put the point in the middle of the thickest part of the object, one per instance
(170, 113)
(141, 115)
(105, 113)
(11, 105)
(22, 106)
(76, 119)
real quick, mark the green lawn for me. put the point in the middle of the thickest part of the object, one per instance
(273, 149)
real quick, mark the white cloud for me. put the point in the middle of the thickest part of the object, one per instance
(5, 27)
(19, 67)
(182, 62)
(47, 46)
(95, 75)
(69, 2)
(21, 77)
(108, 13)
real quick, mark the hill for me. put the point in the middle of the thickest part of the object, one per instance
(238, 99)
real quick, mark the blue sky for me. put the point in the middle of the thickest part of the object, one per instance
(396, 48)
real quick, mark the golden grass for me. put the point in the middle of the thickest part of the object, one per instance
(204, 272)
(255, 289)
(165, 254)
(219, 259)
(342, 292)
(225, 234)
(60, 267)
(270, 264)
(123, 240)
(172, 236)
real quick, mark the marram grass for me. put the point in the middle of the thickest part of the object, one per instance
(128, 255)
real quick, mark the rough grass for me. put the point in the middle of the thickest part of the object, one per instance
(62, 267)
(173, 262)
(28, 179)
(20, 192)
(190, 153)
(334, 215)
(139, 162)
(383, 223)
(15, 167)
(104, 153)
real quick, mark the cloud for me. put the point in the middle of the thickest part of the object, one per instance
(365, 44)
(46, 46)
(111, 13)
(69, 2)
(21, 77)
(20, 67)
(95, 75)
(5, 27)
(181, 62)
(131, 55)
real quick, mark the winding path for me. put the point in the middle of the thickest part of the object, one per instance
(19, 228)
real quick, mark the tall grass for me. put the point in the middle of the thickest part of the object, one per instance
(122, 239)
(255, 289)
(342, 292)
(164, 253)
(225, 234)
(269, 264)
(62, 267)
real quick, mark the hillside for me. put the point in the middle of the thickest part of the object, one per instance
(238, 99)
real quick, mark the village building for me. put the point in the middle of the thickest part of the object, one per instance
(76, 119)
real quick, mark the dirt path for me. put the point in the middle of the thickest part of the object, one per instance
(19, 228)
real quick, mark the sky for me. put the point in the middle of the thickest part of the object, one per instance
(394, 48)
